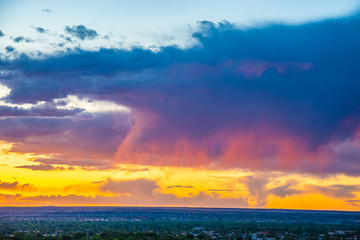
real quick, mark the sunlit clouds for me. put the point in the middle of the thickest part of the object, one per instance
(240, 115)
(4, 91)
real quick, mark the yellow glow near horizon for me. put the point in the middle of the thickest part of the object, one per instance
(310, 202)
(180, 182)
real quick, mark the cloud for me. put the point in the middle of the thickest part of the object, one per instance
(143, 192)
(85, 163)
(46, 10)
(258, 190)
(9, 49)
(1, 34)
(256, 185)
(139, 186)
(4, 91)
(343, 156)
(16, 186)
(42, 167)
(59, 200)
(7, 185)
(221, 106)
(145, 169)
(157, 199)
(220, 190)
(276, 97)
(252, 69)
(22, 39)
(136, 192)
(355, 203)
(81, 32)
(179, 186)
(286, 189)
(40, 29)
(336, 191)
(88, 164)
(41, 111)
(9, 198)
(89, 141)
(352, 201)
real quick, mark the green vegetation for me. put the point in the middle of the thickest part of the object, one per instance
(118, 230)
(117, 223)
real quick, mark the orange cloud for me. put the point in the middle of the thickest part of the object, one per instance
(16, 186)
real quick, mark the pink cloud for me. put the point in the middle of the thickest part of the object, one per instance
(258, 148)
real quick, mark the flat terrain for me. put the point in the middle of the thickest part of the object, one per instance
(176, 214)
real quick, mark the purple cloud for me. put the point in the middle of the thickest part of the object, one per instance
(274, 98)
(77, 142)
(42, 167)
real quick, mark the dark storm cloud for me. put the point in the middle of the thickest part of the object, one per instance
(81, 32)
(290, 91)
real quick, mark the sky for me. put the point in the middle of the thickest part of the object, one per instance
(244, 104)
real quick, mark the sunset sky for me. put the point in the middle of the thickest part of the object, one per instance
(245, 104)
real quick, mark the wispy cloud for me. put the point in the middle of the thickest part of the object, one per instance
(337, 190)
(43, 167)
(179, 186)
